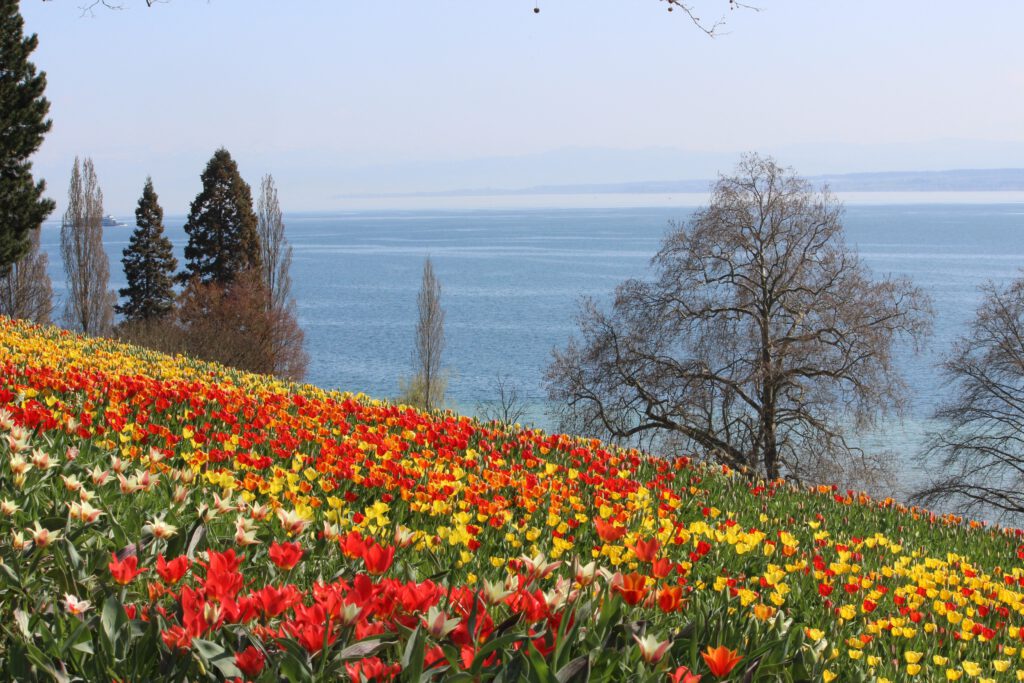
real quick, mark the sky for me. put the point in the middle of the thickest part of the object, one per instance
(338, 98)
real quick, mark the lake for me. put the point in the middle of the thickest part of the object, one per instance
(511, 280)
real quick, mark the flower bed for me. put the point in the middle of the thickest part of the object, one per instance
(168, 519)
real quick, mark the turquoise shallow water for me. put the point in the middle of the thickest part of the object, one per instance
(511, 280)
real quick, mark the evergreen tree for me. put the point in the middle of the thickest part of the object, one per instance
(149, 263)
(222, 237)
(23, 124)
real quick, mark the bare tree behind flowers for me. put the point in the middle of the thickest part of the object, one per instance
(979, 455)
(761, 340)
(89, 306)
(286, 338)
(275, 252)
(507, 407)
(427, 386)
(231, 324)
(25, 290)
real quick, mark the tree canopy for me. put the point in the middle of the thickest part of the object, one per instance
(149, 263)
(761, 339)
(222, 229)
(23, 123)
(977, 459)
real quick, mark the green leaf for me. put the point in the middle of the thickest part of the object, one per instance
(577, 667)
(110, 621)
(364, 648)
(294, 663)
(412, 656)
(21, 619)
(206, 648)
(501, 642)
(193, 543)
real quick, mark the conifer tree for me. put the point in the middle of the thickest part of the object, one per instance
(23, 124)
(89, 307)
(149, 263)
(222, 237)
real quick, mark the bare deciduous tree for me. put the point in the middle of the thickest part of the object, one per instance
(980, 453)
(762, 340)
(275, 252)
(231, 324)
(89, 307)
(688, 8)
(427, 386)
(26, 291)
(286, 338)
(507, 407)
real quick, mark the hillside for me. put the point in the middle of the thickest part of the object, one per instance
(169, 519)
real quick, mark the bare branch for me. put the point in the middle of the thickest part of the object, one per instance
(759, 340)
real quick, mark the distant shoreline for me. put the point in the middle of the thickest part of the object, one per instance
(646, 200)
(608, 200)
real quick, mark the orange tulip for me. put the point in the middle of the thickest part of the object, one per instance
(607, 531)
(646, 551)
(721, 660)
(670, 598)
(633, 588)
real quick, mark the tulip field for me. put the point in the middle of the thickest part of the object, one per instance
(166, 519)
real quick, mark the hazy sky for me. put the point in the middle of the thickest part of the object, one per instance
(336, 97)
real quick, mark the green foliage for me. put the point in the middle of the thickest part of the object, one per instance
(413, 391)
(23, 124)
(149, 263)
(222, 237)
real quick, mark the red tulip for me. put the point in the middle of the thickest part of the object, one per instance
(124, 571)
(662, 567)
(285, 555)
(352, 544)
(683, 675)
(171, 572)
(250, 661)
(372, 669)
(175, 638)
(378, 559)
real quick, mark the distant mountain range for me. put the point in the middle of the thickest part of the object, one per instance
(961, 180)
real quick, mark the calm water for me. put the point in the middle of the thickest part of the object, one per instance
(511, 280)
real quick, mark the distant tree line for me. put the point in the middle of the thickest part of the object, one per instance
(236, 305)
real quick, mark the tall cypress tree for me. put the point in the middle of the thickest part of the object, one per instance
(23, 124)
(222, 237)
(149, 263)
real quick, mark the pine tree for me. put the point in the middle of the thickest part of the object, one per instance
(222, 237)
(149, 263)
(23, 124)
(89, 307)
